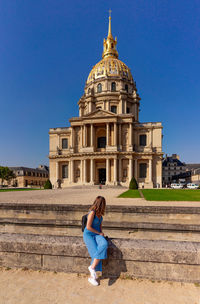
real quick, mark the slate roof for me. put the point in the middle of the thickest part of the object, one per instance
(30, 169)
(170, 160)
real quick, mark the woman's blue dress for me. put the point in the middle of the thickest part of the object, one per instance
(95, 243)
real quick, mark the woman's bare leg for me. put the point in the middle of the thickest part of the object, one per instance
(95, 263)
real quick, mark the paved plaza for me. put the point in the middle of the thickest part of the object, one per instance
(83, 195)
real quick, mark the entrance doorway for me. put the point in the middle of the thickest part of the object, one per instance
(102, 176)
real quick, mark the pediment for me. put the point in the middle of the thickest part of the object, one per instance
(100, 113)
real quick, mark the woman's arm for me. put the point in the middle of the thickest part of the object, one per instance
(101, 229)
(89, 223)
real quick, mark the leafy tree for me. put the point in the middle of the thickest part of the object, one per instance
(48, 185)
(133, 183)
(6, 174)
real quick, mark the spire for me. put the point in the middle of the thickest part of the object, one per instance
(109, 44)
(109, 26)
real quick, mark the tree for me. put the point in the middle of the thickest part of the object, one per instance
(6, 174)
(133, 183)
(48, 185)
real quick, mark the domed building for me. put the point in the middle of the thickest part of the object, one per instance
(107, 144)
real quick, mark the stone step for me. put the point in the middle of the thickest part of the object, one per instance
(139, 258)
(123, 218)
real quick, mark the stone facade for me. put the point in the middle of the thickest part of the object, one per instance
(107, 144)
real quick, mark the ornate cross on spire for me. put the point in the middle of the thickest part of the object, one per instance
(110, 12)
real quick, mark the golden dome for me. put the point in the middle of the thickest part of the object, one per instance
(110, 65)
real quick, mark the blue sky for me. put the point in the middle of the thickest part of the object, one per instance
(48, 47)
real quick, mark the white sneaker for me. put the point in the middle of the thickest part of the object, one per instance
(93, 282)
(92, 272)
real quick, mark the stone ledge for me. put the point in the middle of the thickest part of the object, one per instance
(106, 224)
(167, 260)
(127, 249)
(109, 208)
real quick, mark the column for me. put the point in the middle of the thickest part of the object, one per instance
(90, 106)
(115, 171)
(115, 134)
(130, 134)
(107, 106)
(92, 135)
(120, 134)
(107, 134)
(81, 137)
(84, 135)
(120, 170)
(84, 171)
(107, 170)
(57, 171)
(92, 171)
(81, 171)
(150, 170)
(72, 138)
(130, 168)
(72, 171)
(135, 173)
(125, 106)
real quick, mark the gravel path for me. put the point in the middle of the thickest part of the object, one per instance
(28, 286)
(82, 195)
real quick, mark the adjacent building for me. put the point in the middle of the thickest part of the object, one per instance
(194, 170)
(25, 177)
(107, 143)
(173, 169)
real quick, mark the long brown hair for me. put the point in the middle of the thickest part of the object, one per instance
(99, 205)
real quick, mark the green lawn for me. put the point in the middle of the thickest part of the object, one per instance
(18, 189)
(171, 194)
(164, 194)
(130, 193)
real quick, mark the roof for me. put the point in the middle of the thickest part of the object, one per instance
(193, 166)
(29, 169)
(170, 160)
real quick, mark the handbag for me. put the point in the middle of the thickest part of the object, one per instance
(84, 222)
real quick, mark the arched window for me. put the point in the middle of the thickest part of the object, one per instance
(89, 91)
(99, 88)
(113, 86)
(126, 88)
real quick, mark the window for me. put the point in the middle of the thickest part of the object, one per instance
(113, 86)
(143, 140)
(89, 90)
(142, 170)
(78, 173)
(101, 142)
(65, 171)
(126, 88)
(114, 109)
(99, 88)
(124, 173)
(127, 110)
(65, 143)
